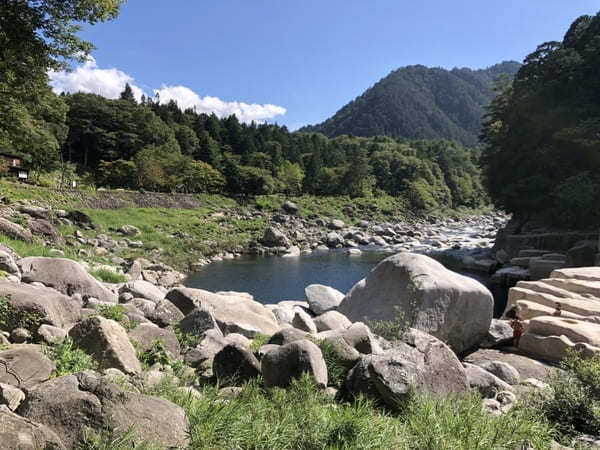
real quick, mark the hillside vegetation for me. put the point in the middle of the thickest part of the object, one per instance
(543, 131)
(417, 102)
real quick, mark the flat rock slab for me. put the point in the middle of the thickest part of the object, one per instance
(526, 366)
(24, 366)
(64, 275)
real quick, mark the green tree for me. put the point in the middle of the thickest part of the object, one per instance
(127, 94)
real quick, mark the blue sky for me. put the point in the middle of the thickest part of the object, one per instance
(306, 57)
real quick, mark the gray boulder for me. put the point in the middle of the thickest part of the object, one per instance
(7, 263)
(24, 366)
(204, 353)
(357, 336)
(165, 313)
(45, 229)
(73, 404)
(45, 304)
(322, 298)
(303, 321)
(290, 207)
(145, 334)
(452, 307)
(65, 276)
(11, 396)
(333, 239)
(419, 363)
(502, 370)
(336, 224)
(19, 433)
(235, 364)
(107, 342)
(198, 322)
(143, 289)
(358, 380)
(331, 320)
(273, 237)
(233, 313)
(500, 332)
(486, 383)
(280, 366)
(51, 335)
(14, 230)
(287, 335)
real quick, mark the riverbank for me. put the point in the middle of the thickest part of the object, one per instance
(188, 231)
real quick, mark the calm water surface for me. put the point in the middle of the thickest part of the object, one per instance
(272, 279)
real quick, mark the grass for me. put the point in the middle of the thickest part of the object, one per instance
(335, 367)
(68, 358)
(118, 314)
(258, 341)
(109, 440)
(108, 276)
(186, 340)
(304, 417)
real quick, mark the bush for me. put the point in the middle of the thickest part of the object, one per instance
(575, 406)
(118, 314)
(108, 276)
(392, 330)
(68, 359)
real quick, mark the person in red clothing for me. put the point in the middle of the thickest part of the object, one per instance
(516, 324)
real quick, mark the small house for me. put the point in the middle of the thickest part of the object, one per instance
(12, 162)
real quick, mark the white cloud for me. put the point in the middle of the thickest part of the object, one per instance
(111, 82)
(90, 78)
(186, 98)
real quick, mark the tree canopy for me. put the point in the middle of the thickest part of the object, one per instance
(542, 132)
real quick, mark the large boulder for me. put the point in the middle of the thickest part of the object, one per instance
(420, 362)
(75, 404)
(38, 304)
(65, 276)
(331, 320)
(107, 342)
(146, 334)
(7, 263)
(526, 367)
(322, 298)
(14, 230)
(198, 322)
(287, 335)
(273, 237)
(452, 307)
(143, 289)
(485, 382)
(204, 353)
(233, 313)
(358, 336)
(25, 366)
(165, 313)
(19, 433)
(45, 229)
(235, 364)
(280, 366)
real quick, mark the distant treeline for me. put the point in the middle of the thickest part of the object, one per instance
(122, 143)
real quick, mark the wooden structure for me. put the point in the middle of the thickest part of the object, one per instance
(14, 165)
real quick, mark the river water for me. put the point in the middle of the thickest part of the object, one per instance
(273, 279)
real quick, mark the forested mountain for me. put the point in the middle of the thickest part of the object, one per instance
(542, 133)
(417, 102)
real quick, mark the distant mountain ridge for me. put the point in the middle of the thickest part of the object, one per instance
(417, 102)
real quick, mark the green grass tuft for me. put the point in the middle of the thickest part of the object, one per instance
(68, 358)
(108, 276)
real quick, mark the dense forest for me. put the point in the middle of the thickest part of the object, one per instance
(417, 102)
(542, 132)
(156, 146)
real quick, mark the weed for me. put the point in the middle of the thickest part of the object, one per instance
(186, 340)
(118, 314)
(108, 276)
(392, 330)
(258, 341)
(110, 440)
(68, 358)
(336, 370)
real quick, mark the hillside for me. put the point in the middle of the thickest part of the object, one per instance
(417, 102)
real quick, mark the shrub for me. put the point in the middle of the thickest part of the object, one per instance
(258, 341)
(118, 314)
(575, 405)
(108, 276)
(186, 340)
(393, 329)
(68, 358)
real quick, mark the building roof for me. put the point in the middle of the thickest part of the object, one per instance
(10, 155)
